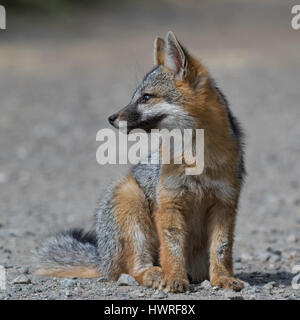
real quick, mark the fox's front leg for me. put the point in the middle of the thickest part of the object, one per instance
(221, 233)
(171, 228)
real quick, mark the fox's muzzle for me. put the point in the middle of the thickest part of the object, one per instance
(134, 119)
(129, 114)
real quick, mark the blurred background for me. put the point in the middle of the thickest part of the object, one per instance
(65, 66)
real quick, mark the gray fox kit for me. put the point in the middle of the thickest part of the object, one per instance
(161, 226)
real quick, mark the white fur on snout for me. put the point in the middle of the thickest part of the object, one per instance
(121, 125)
(116, 123)
(175, 116)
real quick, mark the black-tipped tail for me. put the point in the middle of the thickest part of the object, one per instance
(71, 253)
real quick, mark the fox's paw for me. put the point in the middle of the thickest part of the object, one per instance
(174, 284)
(228, 283)
(152, 277)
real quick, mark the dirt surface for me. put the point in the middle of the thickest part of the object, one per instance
(60, 78)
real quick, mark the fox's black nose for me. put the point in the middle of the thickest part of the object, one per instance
(112, 118)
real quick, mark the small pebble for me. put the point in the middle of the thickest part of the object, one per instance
(25, 270)
(160, 294)
(205, 285)
(269, 285)
(68, 283)
(232, 295)
(22, 279)
(238, 266)
(274, 258)
(246, 256)
(126, 280)
(291, 238)
(68, 293)
(263, 255)
(274, 251)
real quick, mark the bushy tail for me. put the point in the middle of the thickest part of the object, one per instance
(71, 253)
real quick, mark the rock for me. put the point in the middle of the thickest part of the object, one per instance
(12, 233)
(269, 285)
(68, 283)
(205, 285)
(238, 266)
(160, 294)
(68, 293)
(7, 265)
(263, 255)
(251, 289)
(274, 267)
(237, 259)
(126, 280)
(25, 270)
(274, 258)
(280, 291)
(22, 279)
(291, 238)
(271, 241)
(292, 254)
(269, 254)
(233, 295)
(237, 297)
(246, 256)
(274, 251)
(7, 296)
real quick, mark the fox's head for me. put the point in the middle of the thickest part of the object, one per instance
(172, 95)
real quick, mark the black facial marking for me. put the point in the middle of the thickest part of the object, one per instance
(152, 123)
(130, 113)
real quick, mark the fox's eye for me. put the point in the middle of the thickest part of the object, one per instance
(146, 97)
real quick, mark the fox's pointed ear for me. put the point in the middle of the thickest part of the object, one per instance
(175, 57)
(159, 51)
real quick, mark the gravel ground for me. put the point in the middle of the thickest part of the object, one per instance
(61, 76)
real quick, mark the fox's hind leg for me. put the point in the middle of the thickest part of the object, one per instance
(137, 234)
